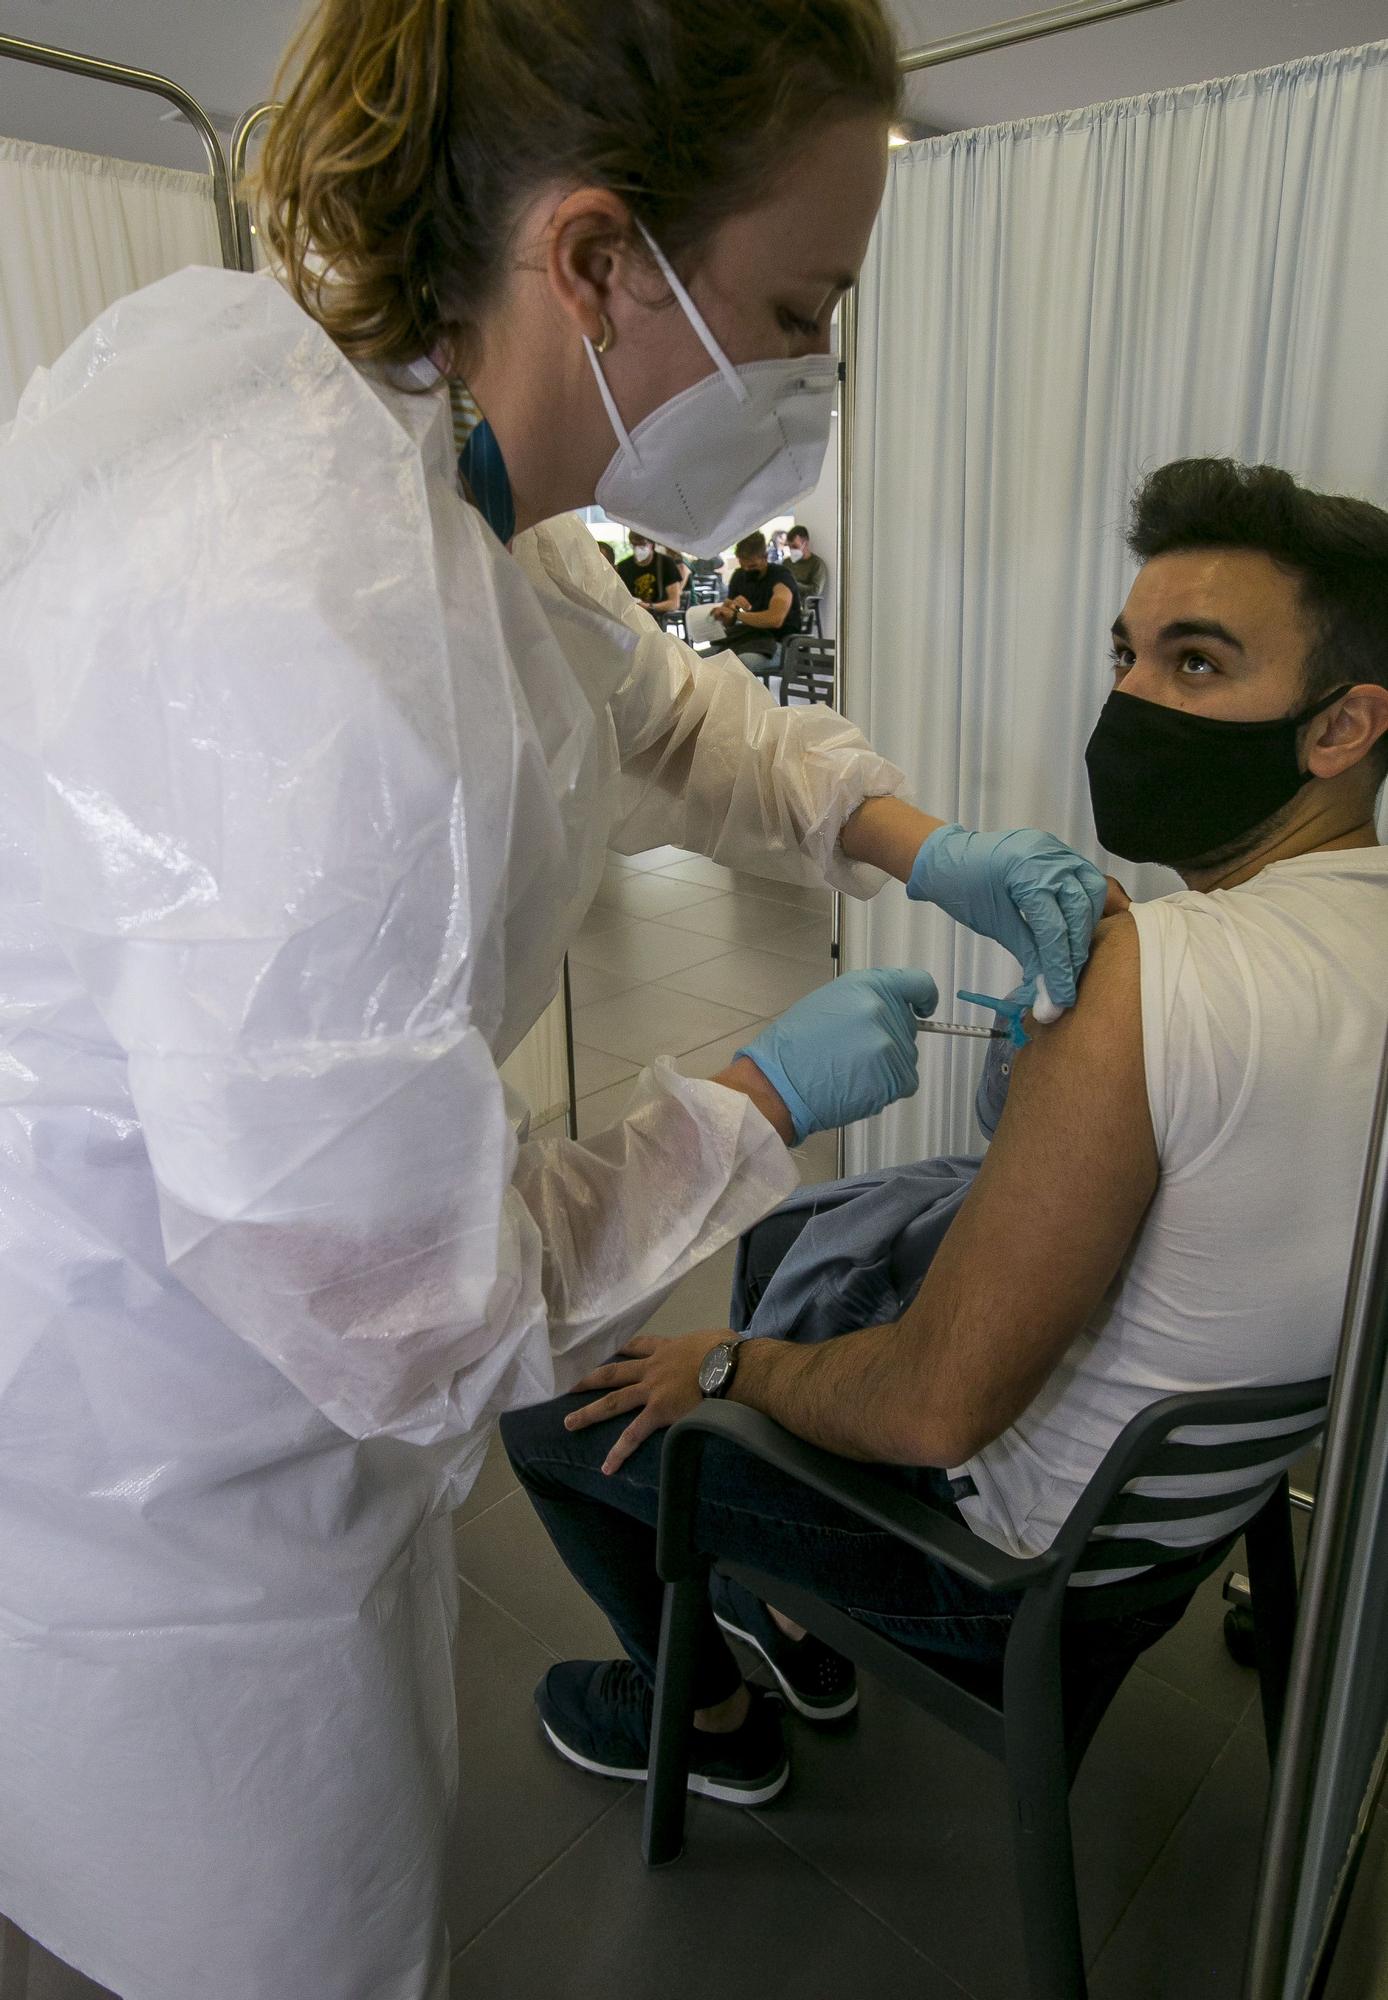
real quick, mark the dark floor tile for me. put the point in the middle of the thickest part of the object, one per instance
(520, 1805)
(912, 1821)
(506, 1554)
(1186, 1931)
(1194, 1658)
(1360, 1969)
(740, 1917)
(494, 1482)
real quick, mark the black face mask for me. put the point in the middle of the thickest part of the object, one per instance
(1177, 788)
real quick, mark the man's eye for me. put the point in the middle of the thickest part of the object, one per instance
(1197, 665)
(1120, 659)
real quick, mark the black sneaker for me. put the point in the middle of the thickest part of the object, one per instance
(597, 1713)
(819, 1683)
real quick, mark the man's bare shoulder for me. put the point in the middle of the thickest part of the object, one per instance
(1101, 1035)
(1078, 1106)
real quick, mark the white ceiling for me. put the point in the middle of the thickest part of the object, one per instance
(225, 52)
(1187, 42)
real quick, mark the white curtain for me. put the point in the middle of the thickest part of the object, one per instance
(1050, 309)
(77, 233)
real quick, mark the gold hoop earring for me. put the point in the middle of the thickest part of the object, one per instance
(608, 335)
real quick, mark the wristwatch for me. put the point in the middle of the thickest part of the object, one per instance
(718, 1367)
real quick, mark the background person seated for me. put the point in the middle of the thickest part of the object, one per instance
(761, 609)
(810, 571)
(1168, 1203)
(653, 577)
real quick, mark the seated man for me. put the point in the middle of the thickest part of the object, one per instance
(809, 570)
(653, 577)
(761, 609)
(1167, 1205)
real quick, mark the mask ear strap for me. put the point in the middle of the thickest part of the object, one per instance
(620, 430)
(694, 316)
(1319, 707)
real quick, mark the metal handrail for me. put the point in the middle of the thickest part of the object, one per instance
(240, 143)
(73, 64)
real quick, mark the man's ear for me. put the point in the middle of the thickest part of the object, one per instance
(1346, 734)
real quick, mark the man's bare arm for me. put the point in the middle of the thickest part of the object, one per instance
(776, 612)
(1036, 1244)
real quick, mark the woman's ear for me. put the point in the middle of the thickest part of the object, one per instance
(587, 240)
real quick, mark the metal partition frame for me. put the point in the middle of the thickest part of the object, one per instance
(240, 142)
(74, 64)
(1333, 1658)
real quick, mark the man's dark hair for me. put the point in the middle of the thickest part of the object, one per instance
(798, 533)
(1336, 546)
(750, 545)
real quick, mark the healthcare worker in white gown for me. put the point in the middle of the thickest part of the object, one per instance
(306, 779)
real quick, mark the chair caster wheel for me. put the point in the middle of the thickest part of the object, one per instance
(1238, 1635)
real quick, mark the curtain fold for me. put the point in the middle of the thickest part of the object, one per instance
(78, 232)
(1049, 310)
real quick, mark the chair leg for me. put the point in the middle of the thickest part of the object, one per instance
(1272, 1588)
(1039, 1796)
(667, 1777)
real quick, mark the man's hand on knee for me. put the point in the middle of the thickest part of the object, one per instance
(657, 1378)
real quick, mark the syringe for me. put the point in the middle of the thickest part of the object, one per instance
(959, 1028)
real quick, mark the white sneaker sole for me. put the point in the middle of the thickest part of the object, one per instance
(708, 1788)
(797, 1702)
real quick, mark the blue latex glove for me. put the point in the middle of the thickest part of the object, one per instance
(1031, 892)
(849, 1049)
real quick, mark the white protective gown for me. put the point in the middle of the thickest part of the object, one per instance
(305, 784)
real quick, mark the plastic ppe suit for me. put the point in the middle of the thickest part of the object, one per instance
(305, 784)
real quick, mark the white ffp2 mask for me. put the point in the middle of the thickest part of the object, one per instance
(725, 455)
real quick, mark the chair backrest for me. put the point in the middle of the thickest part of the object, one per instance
(1196, 1467)
(810, 660)
(705, 589)
(1186, 1473)
(809, 611)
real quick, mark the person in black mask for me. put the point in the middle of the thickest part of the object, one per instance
(1247, 662)
(1167, 1204)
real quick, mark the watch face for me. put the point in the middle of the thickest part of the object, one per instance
(716, 1369)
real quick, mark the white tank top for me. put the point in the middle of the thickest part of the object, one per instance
(1264, 1011)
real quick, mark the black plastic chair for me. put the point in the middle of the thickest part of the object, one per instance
(809, 612)
(1036, 1718)
(808, 662)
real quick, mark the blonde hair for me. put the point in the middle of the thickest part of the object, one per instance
(413, 132)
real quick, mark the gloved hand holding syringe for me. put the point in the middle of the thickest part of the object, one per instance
(1009, 1010)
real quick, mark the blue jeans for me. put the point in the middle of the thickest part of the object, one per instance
(604, 1529)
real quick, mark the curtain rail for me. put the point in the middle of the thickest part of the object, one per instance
(69, 61)
(1026, 28)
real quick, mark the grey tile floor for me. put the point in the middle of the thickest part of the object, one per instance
(882, 1872)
